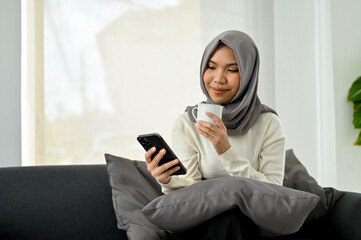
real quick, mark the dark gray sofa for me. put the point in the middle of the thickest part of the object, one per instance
(75, 202)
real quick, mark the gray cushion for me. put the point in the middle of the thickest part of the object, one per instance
(133, 188)
(275, 209)
(297, 177)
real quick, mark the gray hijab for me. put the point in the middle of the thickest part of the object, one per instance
(242, 111)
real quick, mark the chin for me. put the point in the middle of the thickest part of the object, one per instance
(218, 101)
(222, 98)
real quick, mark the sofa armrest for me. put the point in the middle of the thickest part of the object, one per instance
(345, 217)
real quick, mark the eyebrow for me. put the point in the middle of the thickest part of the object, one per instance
(229, 64)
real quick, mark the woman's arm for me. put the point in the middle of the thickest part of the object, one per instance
(187, 153)
(271, 158)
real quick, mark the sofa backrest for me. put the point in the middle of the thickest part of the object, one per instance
(57, 202)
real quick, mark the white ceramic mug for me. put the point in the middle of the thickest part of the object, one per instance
(205, 107)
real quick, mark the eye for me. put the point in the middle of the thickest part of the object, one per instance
(210, 67)
(233, 70)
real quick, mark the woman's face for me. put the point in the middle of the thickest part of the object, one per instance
(221, 77)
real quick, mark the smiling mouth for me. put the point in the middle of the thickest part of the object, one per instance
(219, 91)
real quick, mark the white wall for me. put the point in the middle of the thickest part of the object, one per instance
(317, 57)
(295, 76)
(346, 47)
(10, 84)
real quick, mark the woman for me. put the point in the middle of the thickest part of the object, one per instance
(247, 142)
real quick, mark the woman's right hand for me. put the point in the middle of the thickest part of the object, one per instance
(161, 173)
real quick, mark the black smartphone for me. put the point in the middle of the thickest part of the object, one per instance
(155, 140)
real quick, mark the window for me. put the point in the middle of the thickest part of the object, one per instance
(116, 69)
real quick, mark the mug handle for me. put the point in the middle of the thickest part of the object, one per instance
(193, 113)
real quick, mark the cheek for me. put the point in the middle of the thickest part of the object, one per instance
(236, 82)
(206, 78)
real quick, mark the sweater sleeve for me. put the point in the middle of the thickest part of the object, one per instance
(271, 157)
(188, 155)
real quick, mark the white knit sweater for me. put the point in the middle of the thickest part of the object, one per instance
(258, 154)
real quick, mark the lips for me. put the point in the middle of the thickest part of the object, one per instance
(219, 91)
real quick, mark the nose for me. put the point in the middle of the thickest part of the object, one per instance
(219, 77)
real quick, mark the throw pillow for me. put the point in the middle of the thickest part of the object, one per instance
(297, 177)
(133, 188)
(275, 209)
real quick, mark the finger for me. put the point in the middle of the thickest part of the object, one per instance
(211, 115)
(213, 137)
(165, 177)
(170, 164)
(216, 119)
(206, 125)
(158, 157)
(152, 165)
(204, 132)
(148, 155)
(171, 171)
(165, 167)
(207, 128)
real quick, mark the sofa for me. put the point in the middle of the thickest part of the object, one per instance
(75, 202)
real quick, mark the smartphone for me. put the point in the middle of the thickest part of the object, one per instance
(155, 140)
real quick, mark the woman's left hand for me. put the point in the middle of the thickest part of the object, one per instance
(217, 135)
